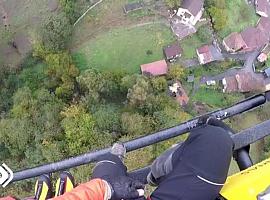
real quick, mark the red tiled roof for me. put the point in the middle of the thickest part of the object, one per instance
(205, 55)
(172, 51)
(243, 82)
(264, 26)
(234, 42)
(254, 38)
(155, 68)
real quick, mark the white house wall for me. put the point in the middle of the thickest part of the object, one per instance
(197, 18)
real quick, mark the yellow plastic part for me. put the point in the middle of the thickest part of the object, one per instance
(44, 191)
(248, 183)
(68, 187)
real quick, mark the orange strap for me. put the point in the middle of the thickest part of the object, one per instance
(95, 189)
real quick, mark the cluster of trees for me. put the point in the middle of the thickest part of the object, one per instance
(50, 111)
(218, 13)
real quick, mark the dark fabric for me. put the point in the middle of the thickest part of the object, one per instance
(108, 167)
(206, 153)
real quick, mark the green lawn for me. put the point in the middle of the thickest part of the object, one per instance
(240, 16)
(190, 44)
(216, 98)
(124, 49)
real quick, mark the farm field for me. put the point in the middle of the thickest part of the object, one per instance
(124, 49)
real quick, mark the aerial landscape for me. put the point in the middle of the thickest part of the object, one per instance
(79, 75)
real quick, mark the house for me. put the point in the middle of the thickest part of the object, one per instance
(184, 20)
(133, 6)
(191, 11)
(234, 42)
(264, 26)
(204, 54)
(157, 68)
(264, 53)
(172, 52)
(178, 92)
(248, 40)
(242, 82)
(262, 7)
(208, 53)
(254, 38)
(181, 30)
(267, 72)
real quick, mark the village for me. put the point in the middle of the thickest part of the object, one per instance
(249, 49)
(78, 75)
(252, 44)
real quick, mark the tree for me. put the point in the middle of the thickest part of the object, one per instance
(176, 72)
(219, 17)
(56, 32)
(138, 93)
(135, 124)
(92, 84)
(169, 117)
(159, 84)
(108, 119)
(61, 73)
(80, 134)
(173, 3)
(32, 127)
(128, 81)
(204, 33)
(69, 7)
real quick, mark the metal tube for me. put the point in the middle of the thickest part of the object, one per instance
(141, 142)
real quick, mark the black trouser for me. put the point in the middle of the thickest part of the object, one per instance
(199, 166)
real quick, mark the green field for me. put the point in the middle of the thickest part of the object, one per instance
(216, 98)
(190, 44)
(124, 49)
(240, 15)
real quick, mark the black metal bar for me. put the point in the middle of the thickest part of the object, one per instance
(141, 142)
(243, 159)
(241, 140)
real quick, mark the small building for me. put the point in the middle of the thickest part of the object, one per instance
(133, 6)
(262, 7)
(249, 39)
(254, 38)
(178, 92)
(157, 68)
(264, 54)
(234, 42)
(190, 79)
(172, 52)
(181, 30)
(267, 72)
(204, 54)
(242, 82)
(190, 11)
(264, 26)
